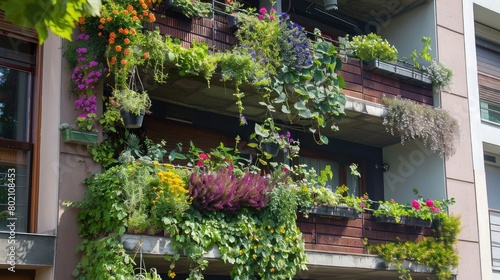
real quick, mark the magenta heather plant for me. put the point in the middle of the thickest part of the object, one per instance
(222, 190)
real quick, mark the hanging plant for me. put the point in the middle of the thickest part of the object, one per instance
(438, 130)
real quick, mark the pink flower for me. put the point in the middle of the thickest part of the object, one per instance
(230, 168)
(261, 17)
(362, 205)
(262, 10)
(429, 202)
(199, 163)
(415, 204)
(203, 156)
(435, 209)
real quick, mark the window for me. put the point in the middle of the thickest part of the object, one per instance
(341, 172)
(17, 59)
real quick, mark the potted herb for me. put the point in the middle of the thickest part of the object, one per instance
(133, 105)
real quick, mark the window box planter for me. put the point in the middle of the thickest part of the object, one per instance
(336, 211)
(409, 221)
(78, 137)
(406, 72)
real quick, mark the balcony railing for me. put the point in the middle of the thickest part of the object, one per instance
(361, 82)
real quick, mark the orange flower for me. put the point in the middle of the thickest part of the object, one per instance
(152, 18)
(146, 13)
(112, 35)
(102, 20)
(126, 52)
(135, 18)
(126, 41)
(125, 31)
(120, 30)
(115, 12)
(123, 61)
(109, 19)
(113, 60)
(81, 20)
(100, 26)
(146, 55)
(130, 8)
(111, 41)
(144, 6)
(134, 13)
(141, 17)
(125, 12)
(132, 30)
(118, 48)
(99, 34)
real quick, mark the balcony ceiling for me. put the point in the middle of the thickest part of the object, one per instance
(352, 16)
(362, 123)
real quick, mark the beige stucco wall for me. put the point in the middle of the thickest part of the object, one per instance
(459, 168)
(75, 164)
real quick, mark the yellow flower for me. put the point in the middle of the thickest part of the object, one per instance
(276, 249)
(272, 269)
(254, 256)
(171, 274)
(241, 252)
(272, 257)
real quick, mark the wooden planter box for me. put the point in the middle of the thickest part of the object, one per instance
(78, 137)
(336, 211)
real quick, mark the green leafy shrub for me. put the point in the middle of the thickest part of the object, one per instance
(372, 46)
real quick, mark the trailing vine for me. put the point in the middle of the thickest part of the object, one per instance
(435, 252)
(438, 130)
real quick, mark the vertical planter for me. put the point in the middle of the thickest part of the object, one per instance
(74, 136)
(131, 120)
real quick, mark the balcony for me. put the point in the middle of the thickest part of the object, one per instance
(334, 246)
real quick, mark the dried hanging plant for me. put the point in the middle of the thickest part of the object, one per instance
(439, 131)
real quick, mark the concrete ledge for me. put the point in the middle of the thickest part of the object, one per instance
(161, 246)
(27, 249)
(365, 107)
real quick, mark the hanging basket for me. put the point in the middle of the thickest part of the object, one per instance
(270, 148)
(131, 120)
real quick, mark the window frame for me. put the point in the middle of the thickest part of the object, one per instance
(31, 64)
(344, 162)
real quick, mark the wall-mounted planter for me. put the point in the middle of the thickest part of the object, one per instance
(336, 211)
(406, 72)
(70, 135)
(409, 221)
(232, 23)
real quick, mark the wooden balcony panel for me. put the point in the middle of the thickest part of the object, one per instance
(341, 235)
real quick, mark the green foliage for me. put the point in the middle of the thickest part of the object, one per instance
(193, 61)
(59, 15)
(104, 152)
(372, 46)
(103, 259)
(437, 253)
(193, 8)
(438, 130)
(132, 101)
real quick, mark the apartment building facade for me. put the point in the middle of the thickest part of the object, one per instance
(49, 171)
